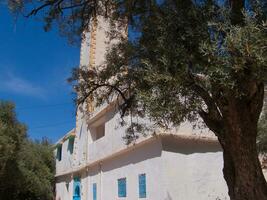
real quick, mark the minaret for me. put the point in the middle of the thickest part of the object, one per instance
(93, 50)
(91, 55)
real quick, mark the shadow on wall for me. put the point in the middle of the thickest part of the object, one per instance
(168, 197)
(66, 179)
(185, 146)
(136, 155)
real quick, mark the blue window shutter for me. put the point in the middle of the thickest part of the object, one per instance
(122, 187)
(76, 188)
(94, 191)
(142, 185)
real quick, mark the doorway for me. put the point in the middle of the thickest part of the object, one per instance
(77, 188)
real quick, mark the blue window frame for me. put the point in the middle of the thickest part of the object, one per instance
(122, 187)
(77, 188)
(142, 185)
(94, 191)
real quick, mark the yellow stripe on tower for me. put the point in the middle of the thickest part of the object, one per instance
(93, 42)
(92, 57)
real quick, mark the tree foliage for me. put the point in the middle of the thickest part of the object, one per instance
(27, 167)
(189, 59)
(72, 17)
(188, 68)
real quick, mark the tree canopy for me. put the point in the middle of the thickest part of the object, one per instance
(26, 167)
(188, 59)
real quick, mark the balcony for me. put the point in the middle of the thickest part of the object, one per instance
(104, 147)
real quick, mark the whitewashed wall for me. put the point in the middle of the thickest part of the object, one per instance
(62, 192)
(111, 143)
(66, 162)
(192, 173)
(102, 41)
(85, 50)
(145, 159)
(80, 142)
(193, 170)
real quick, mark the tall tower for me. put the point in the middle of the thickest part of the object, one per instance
(93, 50)
(94, 47)
(95, 44)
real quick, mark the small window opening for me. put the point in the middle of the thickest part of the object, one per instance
(59, 152)
(67, 186)
(100, 131)
(142, 185)
(94, 191)
(71, 145)
(122, 187)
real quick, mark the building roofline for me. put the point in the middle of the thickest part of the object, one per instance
(69, 134)
(191, 137)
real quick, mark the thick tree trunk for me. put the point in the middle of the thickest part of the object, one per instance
(233, 118)
(242, 168)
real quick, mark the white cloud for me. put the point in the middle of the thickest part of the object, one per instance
(11, 83)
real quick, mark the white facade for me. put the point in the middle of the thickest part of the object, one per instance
(176, 167)
(93, 157)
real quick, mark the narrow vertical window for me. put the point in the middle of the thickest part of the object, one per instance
(142, 185)
(71, 145)
(94, 191)
(77, 188)
(59, 152)
(67, 186)
(122, 187)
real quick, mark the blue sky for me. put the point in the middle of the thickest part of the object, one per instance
(34, 66)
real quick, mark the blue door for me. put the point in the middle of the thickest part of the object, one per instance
(77, 189)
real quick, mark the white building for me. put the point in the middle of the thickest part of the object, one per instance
(93, 162)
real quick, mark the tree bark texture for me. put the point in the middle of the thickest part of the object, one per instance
(234, 120)
(242, 169)
(239, 117)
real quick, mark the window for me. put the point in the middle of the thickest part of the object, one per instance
(94, 191)
(59, 152)
(67, 186)
(142, 185)
(100, 131)
(76, 188)
(122, 187)
(70, 145)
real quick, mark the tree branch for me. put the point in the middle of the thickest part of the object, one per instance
(212, 117)
(57, 4)
(216, 126)
(97, 86)
(36, 10)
